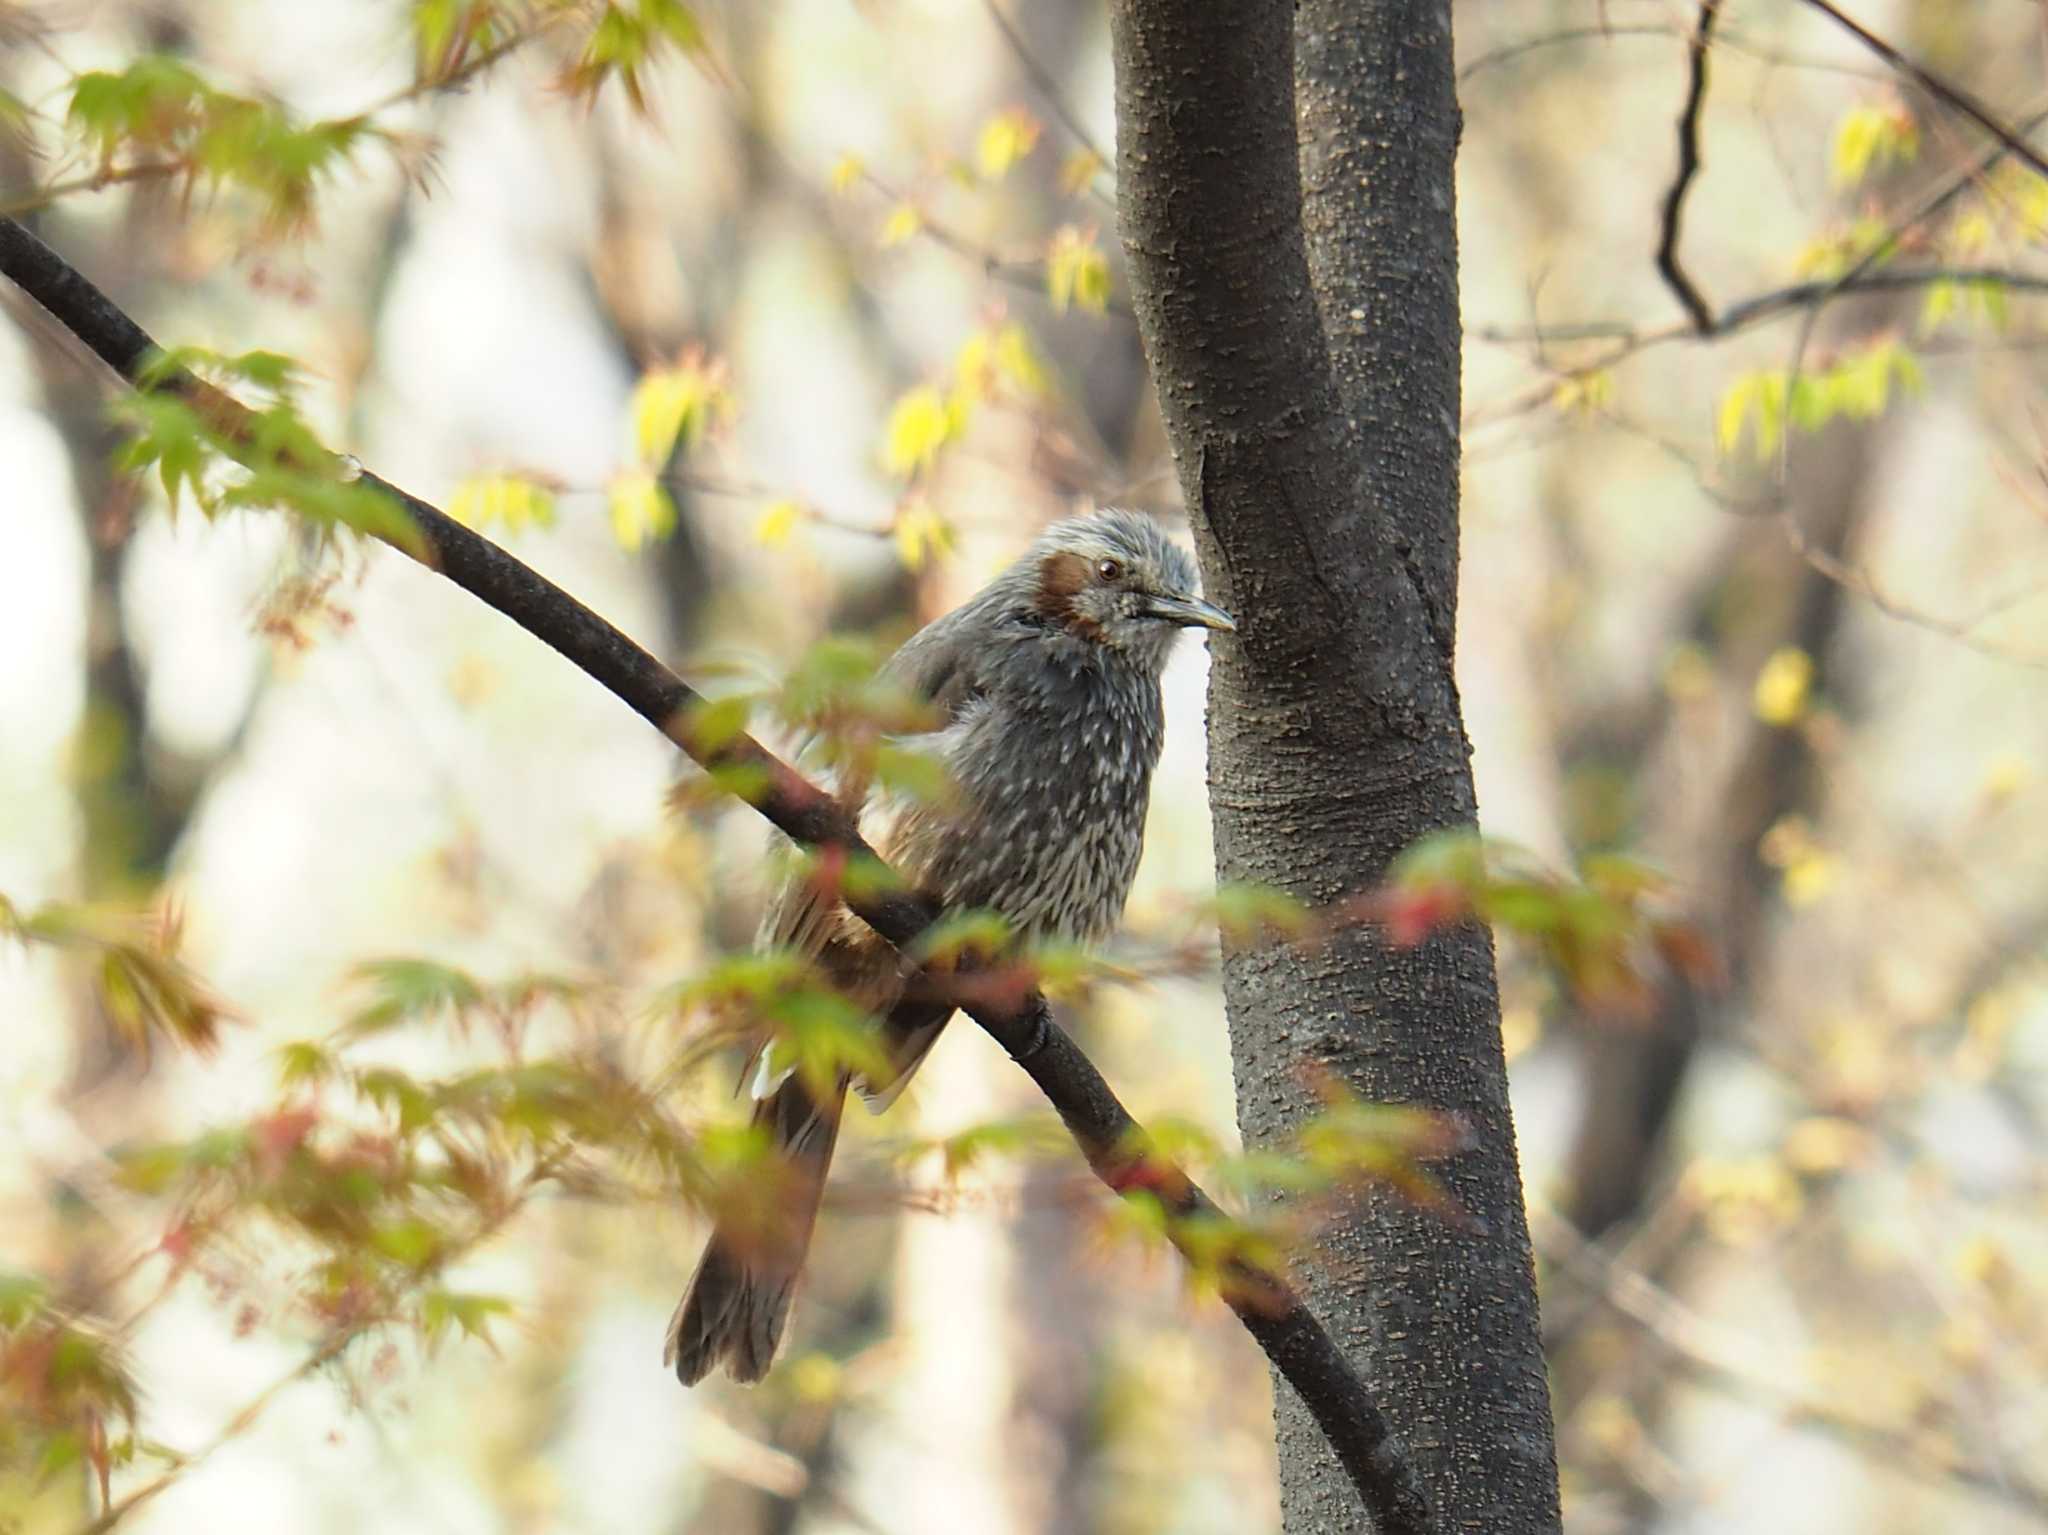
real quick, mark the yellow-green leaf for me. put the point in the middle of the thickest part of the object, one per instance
(1005, 139)
(1000, 355)
(1584, 393)
(641, 509)
(511, 501)
(1017, 360)
(901, 226)
(1783, 687)
(920, 534)
(777, 521)
(1076, 271)
(922, 423)
(679, 406)
(1078, 170)
(1872, 137)
(1733, 410)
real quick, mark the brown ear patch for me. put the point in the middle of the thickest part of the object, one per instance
(1061, 578)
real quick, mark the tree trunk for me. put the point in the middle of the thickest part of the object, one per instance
(1324, 500)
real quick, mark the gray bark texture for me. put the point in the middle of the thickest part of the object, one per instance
(1297, 295)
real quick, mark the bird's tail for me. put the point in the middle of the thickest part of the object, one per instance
(736, 1304)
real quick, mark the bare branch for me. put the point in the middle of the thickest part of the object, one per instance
(1629, 339)
(1507, 53)
(1688, 167)
(1725, 40)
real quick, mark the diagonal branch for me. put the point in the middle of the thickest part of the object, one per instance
(1935, 86)
(1674, 275)
(1113, 1143)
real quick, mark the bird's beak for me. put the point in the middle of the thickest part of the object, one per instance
(1190, 612)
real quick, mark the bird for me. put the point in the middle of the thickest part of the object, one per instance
(1043, 691)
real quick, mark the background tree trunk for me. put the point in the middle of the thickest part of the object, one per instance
(1324, 500)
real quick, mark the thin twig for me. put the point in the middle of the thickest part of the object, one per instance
(328, 1350)
(1725, 40)
(1935, 86)
(1629, 339)
(95, 181)
(151, 170)
(469, 69)
(1113, 1143)
(233, 1429)
(1754, 310)
(1688, 167)
(1929, 206)
(1507, 53)
(1709, 1355)
(1049, 91)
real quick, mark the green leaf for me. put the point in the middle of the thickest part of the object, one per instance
(1248, 912)
(919, 775)
(302, 1062)
(160, 111)
(145, 992)
(1873, 137)
(629, 36)
(22, 1299)
(1076, 271)
(397, 1094)
(963, 937)
(642, 511)
(62, 1450)
(712, 724)
(472, 1315)
(448, 33)
(1025, 1135)
(411, 1242)
(409, 989)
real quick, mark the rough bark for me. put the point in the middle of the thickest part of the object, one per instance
(1324, 500)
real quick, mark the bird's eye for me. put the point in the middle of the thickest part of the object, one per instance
(1110, 570)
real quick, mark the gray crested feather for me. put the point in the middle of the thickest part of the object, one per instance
(1050, 723)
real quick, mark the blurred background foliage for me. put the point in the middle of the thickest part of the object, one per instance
(374, 983)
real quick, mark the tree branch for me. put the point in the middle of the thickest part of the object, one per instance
(1688, 167)
(1113, 1143)
(1629, 339)
(1935, 86)
(1508, 53)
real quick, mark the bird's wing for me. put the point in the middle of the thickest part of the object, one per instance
(936, 665)
(941, 665)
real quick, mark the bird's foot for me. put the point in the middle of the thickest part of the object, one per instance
(1037, 1031)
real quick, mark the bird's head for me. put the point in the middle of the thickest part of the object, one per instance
(1112, 578)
